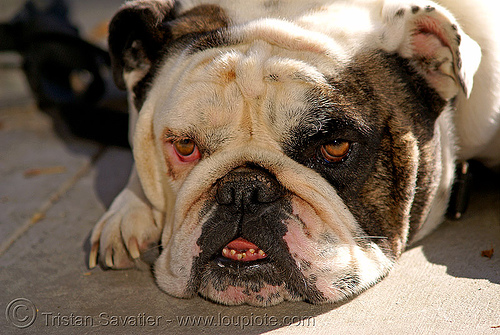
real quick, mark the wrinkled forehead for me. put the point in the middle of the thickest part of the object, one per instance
(227, 91)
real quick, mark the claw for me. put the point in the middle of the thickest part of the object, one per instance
(133, 248)
(93, 255)
(109, 257)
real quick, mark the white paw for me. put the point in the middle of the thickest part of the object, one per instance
(127, 234)
(429, 35)
(399, 22)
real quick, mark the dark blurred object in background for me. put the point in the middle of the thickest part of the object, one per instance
(68, 76)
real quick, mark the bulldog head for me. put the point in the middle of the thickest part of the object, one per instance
(294, 159)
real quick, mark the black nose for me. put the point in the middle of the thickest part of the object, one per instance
(248, 186)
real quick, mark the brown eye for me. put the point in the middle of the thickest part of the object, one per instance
(336, 151)
(184, 147)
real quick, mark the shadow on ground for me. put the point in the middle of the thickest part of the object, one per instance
(459, 244)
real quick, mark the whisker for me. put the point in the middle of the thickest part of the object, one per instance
(371, 237)
(158, 246)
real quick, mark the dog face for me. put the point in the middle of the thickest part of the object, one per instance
(294, 159)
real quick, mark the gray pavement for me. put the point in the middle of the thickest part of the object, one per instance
(53, 188)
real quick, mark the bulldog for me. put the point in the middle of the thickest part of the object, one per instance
(291, 149)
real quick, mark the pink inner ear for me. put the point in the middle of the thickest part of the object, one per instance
(429, 36)
(426, 45)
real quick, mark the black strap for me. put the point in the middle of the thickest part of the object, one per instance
(460, 193)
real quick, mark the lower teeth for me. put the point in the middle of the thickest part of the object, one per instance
(241, 255)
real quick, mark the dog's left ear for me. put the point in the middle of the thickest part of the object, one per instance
(434, 42)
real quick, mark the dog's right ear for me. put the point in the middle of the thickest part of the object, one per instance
(141, 30)
(137, 34)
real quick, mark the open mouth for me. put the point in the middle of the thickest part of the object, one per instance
(243, 251)
(241, 257)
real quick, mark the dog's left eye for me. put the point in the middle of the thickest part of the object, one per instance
(186, 150)
(336, 151)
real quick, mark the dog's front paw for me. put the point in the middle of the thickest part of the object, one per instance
(127, 235)
(429, 36)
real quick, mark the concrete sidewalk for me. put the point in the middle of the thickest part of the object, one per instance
(54, 187)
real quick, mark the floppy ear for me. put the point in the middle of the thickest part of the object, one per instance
(430, 37)
(141, 34)
(149, 163)
(141, 30)
(136, 36)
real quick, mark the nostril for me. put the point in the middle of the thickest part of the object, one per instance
(225, 195)
(268, 191)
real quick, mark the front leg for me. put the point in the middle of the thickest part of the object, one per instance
(131, 228)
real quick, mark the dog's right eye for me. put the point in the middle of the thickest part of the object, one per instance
(185, 147)
(186, 150)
